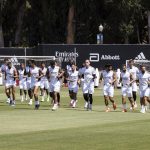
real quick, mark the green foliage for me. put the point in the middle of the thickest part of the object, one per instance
(46, 21)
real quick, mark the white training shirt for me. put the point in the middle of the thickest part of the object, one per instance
(125, 76)
(143, 80)
(54, 72)
(107, 77)
(134, 71)
(34, 74)
(21, 75)
(88, 74)
(73, 76)
(10, 74)
(43, 71)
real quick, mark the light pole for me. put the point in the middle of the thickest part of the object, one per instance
(100, 35)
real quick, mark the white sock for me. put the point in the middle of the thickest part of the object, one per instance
(37, 102)
(124, 106)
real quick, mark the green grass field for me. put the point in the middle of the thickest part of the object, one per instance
(23, 128)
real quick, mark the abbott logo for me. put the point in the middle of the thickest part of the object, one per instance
(109, 57)
(94, 57)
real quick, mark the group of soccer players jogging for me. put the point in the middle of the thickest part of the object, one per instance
(49, 80)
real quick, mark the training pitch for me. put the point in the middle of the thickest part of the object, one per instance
(23, 128)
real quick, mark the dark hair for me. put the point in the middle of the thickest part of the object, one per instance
(32, 61)
(6, 59)
(52, 63)
(108, 65)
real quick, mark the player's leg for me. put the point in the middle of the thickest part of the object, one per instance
(124, 93)
(142, 99)
(30, 92)
(7, 91)
(130, 97)
(58, 98)
(91, 91)
(111, 97)
(85, 95)
(55, 95)
(46, 86)
(71, 97)
(42, 90)
(55, 101)
(75, 91)
(106, 98)
(13, 91)
(37, 103)
(74, 95)
(86, 98)
(124, 104)
(134, 93)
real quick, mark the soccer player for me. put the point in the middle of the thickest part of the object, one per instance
(22, 81)
(44, 84)
(134, 71)
(3, 71)
(35, 81)
(73, 78)
(10, 76)
(88, 76)
(109, 78)
(55, 74)
(30, 92)
(144, 82)
(126, 79)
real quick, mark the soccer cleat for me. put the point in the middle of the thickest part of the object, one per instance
(13, 103)
(107, 109)
(48, 99)
(124, 110)
(8, 101)
(55, 107)
(71, 103)
(42, 99)
(86, 105)
(37, 106)
(89, 107)
(26, 98)
(74, 104)
(30, 103)
(142, 111)
(135, 105)
(146, 108)
(114, 106)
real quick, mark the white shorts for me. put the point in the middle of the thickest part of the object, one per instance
(145, 92)
(10, 83)
(35, 84)
(134, 87)
(44, 84)
(126, 91)
(54, 87)
(74, 89)
(108, 90)
(88, 88)
(23, 85)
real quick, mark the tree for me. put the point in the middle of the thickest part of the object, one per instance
(70, 24)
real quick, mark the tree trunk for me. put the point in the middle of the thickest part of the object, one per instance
(70, 25)
(1, 29)
(19, 22)
(1, 36)
(126, 40)
(138, 34)
(148, 14)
